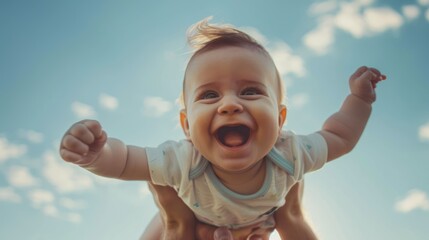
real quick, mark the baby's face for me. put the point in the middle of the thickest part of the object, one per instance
(232, 113)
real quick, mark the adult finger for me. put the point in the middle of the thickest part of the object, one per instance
(222, 234)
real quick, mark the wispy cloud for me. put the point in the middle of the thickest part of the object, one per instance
(416, 199)
(411, 12)
(287, 62)
(320, 8)
(10, 150)
(427, 15)
(32, 136)
(45, 201)
(21, 177)
(71, 204)
(382, 19)
(350, 19)
(357, 17)
(322, 37)
(50, 210)
(108, 102)
(63, 176)
(8, 194)
(423, 2)
(297, 101)
(73, 217)
(156, 106)
(82, 110)
(424, 132)
(40, 197)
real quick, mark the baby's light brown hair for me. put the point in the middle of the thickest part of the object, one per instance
(203, 37)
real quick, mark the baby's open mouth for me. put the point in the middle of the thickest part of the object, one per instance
(233, 136)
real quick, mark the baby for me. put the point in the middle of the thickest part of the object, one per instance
(236, 164)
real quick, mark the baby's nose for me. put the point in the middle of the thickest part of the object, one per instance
(230, 105)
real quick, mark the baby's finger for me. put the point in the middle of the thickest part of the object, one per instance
(73, 144)
(375, 70)
(223, 234)
(95, 127)
(82, 132)
(366, 76)
(378, 74)
(70, 156)
(358, 72)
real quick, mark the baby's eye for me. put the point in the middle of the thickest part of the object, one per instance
(250, 91)
(209, 95)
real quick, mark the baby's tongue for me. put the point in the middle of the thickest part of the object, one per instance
(233, 139)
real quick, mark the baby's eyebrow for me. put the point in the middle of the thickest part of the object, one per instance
(253, 83)
(206, 85)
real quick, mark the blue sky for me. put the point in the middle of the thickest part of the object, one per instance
(123, 62)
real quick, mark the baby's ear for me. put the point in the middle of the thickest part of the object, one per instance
(184, 123)
(282, 115)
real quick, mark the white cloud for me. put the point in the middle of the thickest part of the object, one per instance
(108, 102)
(286, 61)
(156, 106)
(20, 177)
(424, 132)
(423, 2)
(41, 197)
(71, 204)
(9, 195)
(411, 12)
(322, 7)
(299, 100)
(50, 210)
(427, 15)
(382, 19)
(82, 110)
(74, 217)
(64, 176)
(32, 136)
(322, 37)
(44, 200)
(9, 150)
(350, 20)
(356, 17)
(364, 2)
(415, 199)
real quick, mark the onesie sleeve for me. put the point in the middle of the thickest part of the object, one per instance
(169, 162)
(313, 151)
(307, 153)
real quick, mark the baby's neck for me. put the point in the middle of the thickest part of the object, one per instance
(245, 182)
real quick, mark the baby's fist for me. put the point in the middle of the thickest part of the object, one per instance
(83, 142)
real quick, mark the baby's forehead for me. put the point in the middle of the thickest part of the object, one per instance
(202, 62)
(198, 61)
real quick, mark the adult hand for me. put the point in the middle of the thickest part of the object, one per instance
(207, 232)
(290, 220)
(177, 221)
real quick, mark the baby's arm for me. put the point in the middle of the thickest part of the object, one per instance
(343, 129)
(87, 145)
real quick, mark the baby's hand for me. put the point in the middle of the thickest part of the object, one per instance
(364, 81)
(83, 142)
